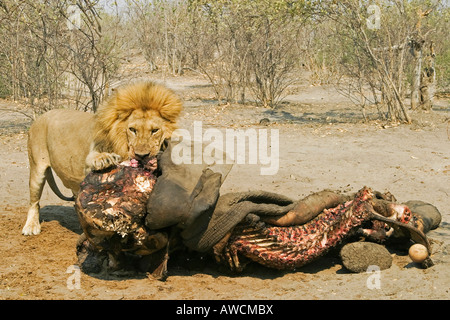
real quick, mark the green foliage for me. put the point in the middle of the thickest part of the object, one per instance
(440, 21)
(251, 45)
(443, 67)
(43, 60)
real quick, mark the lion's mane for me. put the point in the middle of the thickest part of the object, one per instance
(111, 117)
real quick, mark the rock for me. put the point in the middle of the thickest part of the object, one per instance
(264, 122)
(358, 256)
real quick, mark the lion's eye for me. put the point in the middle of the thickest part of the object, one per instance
(132, 130)
(155, 131)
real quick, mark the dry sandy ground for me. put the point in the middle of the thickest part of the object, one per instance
(323, 144)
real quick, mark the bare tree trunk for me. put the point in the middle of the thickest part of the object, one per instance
(432, 85)
(428, 76)
(416, 51)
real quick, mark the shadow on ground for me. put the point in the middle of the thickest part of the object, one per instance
(65, 215)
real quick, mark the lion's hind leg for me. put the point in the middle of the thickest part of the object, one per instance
(37, 181)
(39, 161)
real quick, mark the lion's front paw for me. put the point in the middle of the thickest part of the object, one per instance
(104, 160)
(31, 228)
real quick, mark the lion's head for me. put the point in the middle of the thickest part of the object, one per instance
(136, 119)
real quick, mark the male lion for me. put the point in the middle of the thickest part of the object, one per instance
(133, 122)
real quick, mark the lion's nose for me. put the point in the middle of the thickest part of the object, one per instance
(141, 156)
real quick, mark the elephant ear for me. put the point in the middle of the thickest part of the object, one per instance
(183, 191)
(409, 231)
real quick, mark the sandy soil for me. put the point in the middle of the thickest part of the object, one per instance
(323, 144)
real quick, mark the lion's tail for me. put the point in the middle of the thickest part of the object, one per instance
(52, 183)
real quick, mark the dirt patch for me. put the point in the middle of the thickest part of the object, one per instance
(322, 144)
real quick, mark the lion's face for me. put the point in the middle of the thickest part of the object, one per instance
(136, 120)
(145, 133)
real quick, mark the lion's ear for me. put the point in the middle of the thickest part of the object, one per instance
(171, 111)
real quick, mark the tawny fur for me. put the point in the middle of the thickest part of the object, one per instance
(147, 98)
(134, 121)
